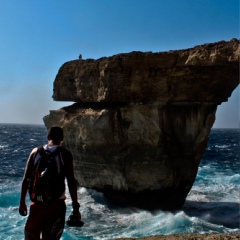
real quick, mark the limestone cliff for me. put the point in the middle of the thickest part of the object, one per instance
(141, 121)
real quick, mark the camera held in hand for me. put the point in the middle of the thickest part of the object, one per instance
(73, 221)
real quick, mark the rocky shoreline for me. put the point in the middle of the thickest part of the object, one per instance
(188, 237)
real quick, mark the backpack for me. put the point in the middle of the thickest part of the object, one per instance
(47, 181)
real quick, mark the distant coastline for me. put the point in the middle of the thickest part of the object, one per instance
(24, 124)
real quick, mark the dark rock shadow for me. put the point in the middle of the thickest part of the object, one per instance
(221, 213)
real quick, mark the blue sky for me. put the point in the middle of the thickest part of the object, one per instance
(37, 37)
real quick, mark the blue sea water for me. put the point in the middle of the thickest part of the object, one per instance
(212, 206)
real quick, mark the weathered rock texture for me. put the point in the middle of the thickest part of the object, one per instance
(141, 121)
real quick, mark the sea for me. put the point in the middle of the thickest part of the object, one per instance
(212, 205)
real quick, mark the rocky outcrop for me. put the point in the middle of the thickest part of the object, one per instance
(141, 121)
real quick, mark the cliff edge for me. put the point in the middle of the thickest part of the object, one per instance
(141, 120)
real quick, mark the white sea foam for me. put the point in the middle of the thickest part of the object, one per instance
(33, 140)
(3, 146)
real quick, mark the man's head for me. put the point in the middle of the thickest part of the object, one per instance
(55, 134)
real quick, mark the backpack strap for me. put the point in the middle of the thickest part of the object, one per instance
(55, 152)
(41, 150)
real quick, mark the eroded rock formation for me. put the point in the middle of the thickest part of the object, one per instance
(141, 121)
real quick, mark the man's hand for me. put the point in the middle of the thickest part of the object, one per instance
(76, 212)
(23, 209)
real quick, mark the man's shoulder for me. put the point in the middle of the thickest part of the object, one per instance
(65, 151)
(35, 150)
(66, 156)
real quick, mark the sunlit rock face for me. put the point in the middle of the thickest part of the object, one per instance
(141, 121)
